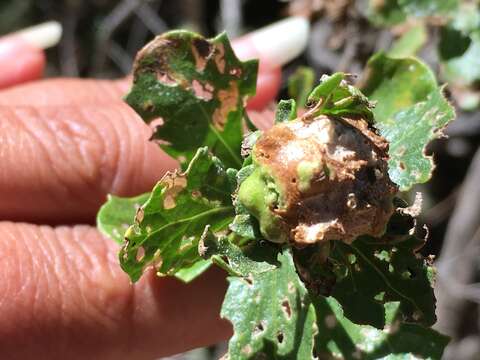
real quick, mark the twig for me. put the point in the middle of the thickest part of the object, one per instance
(467, 348)
(231, 17)
(69, 61)
(139, 31)
(441, 210)
(350, 48)
(319, 54)
(467, 124)
(456, 265)
(193, 15)
(153, 22)
(120, 57)
(461, 290)
(118, 15)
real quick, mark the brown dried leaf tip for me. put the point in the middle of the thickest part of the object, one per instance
(329, 180)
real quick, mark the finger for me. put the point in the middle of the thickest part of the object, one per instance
(263, 119)
(274, 46)
(66, 92)
(268, 85)
(71, 91)
(21, 55)
(64, 296)
(59, 163)
(20, 62)
(269, 74)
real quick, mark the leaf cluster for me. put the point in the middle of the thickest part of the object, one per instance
(457, 26)
(369, 299)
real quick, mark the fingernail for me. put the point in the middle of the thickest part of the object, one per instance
(42, 36)
(282, 41)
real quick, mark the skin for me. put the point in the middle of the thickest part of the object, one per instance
(65, 144)
(24, 62)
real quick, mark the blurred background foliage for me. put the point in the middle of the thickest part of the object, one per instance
(101, 38)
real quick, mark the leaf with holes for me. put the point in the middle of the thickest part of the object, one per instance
(196, 89)
(410, 111)
(271, 314)
(377, 271)
(169, 225)
(286, 111)
(459, 46)
(117, 214)
(459, 52)
(339, 338)
(275, 317)
(193, 91)
(252, 258)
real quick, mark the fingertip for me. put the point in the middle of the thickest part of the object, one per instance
(268, 78)
(276, 44)
(262, 119)
(268, 85)
(20, 61)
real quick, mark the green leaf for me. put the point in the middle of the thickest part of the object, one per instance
(253, 258)
(271, 315)
(459, 47)
(275, 317)
(461, 64)
(169, 225)
(459, 52)
(393, 12)
(187, 274)
(410, 42)
(377, 271)
(300, 84)
(385, 13)
(117, 214)
(422, 8)
(410, 111)
(244, 224)
(328, 84)
(198, 88)
(335, 97)
(466, 19)
(339, 338)
(286, 111)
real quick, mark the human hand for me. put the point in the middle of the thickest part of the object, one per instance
(64, 145)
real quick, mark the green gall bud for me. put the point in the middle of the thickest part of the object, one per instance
(320, 179)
